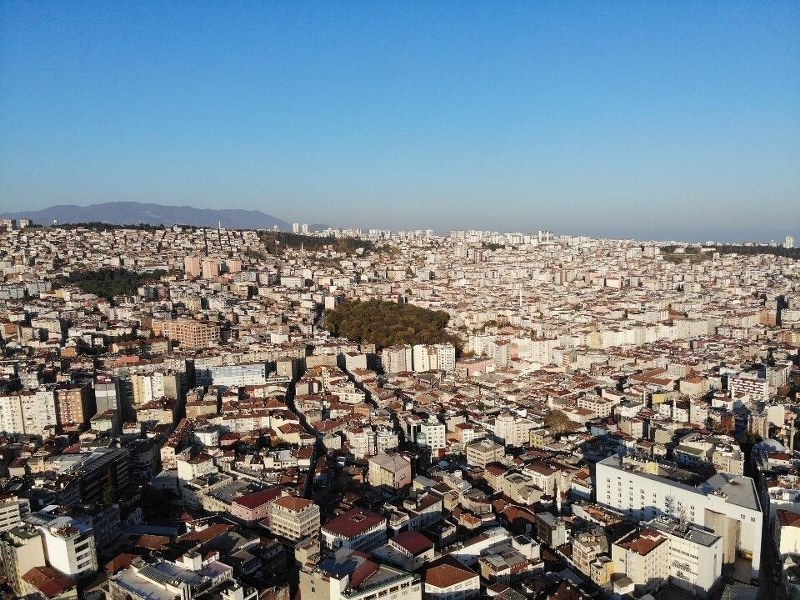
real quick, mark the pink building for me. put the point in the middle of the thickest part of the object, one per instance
(254, 507)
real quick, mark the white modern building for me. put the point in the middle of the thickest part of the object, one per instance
(69, 545)
(726, 504)
(695, 555)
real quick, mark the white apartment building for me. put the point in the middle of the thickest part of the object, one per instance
(239, 375)
(155, 386)
(726, 504)
(446, 355)
(70, 547)
(30, 413)
(644, 557)
(362, 442)
(432, 435)
(192, 467)
(397, 359)
(512, 430)
(386, 440)
(751, 385)
(425, 358)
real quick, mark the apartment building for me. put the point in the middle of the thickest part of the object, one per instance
(32, 412)
(483, 452)
(190, 334)
(695, 555)
(75, 404)
(12, 510)
(449, 579)
(390, 471)
(357, 529)
(643, 556)
(70, 547)
(21, 549)
(294, 518)
(350, 575)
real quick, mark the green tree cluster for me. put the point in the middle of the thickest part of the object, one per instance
(774, 250)
(275, 242)
(735, 249)
(386, 323)
(110, 282)
(100, 226)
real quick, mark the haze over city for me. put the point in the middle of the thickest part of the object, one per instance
(399, 301)
(658, 121)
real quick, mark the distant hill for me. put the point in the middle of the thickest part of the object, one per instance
(133, 213)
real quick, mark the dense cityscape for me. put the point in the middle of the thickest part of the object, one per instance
(213, 413)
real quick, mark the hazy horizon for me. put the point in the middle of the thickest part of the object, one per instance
(617, 119)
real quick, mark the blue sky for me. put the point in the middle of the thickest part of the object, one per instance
(676, 120)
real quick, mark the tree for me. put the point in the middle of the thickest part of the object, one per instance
(558, 422)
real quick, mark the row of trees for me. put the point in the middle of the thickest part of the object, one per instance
(386, 323)
(110, 282)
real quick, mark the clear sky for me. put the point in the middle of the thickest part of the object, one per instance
(676, 120)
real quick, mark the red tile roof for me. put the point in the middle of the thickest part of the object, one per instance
(256, 499)
(353, 523)
(448, 573)
(412, 542)
(48, 581)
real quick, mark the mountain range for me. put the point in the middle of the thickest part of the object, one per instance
(133, 213)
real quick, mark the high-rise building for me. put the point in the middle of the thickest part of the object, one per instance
(75, 404)
(210, 267)
(106, 393)
(397, 359)
(192, 266)
(788, 242)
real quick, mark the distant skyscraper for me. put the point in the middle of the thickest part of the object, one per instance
(788, 242)
(295, 227)
(304, 228)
